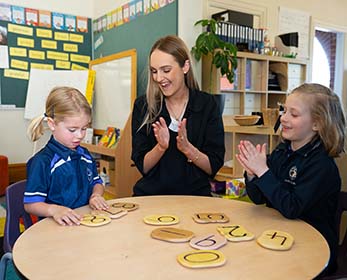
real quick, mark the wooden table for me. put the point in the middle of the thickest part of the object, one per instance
(124, 249)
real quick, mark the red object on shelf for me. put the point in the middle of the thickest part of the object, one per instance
(4, 178)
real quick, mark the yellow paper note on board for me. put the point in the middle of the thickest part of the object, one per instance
(43, 33)
(24, 42)
(36, 54)
(41, 66)
(90, 86)
(57, 55)
(60, 36)
(19, 64)
(75, 66)
(19, 29)
(16, 74)
(80, 58)
(49, 44)
(76, 38)
(18, 52)
(70, 47)
(62, 64)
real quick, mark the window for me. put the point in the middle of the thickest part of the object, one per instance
(327, 68)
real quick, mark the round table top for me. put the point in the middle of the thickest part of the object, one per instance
(124, 248)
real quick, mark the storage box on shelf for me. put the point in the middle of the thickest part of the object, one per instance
(125, 174)
(235, 133)
(251, 90)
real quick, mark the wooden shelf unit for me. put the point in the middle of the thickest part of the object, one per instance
(233, 135)
(250, 91)
(125, 173)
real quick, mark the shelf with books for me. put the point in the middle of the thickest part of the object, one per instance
(260, 82)
(125, 174)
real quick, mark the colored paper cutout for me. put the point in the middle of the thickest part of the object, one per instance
(45, 19)
(25, 42)
(63, 64)
(61, 36)
(76, 38)
(18, 52)
(80, 58)
(37, 54)
(70, 47)
(16, 74)
(44, 33)
(19, 64)
(19, 29)
(49, 44)
(57, 55)
(41, 66)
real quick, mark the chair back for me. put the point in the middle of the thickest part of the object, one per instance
(342, 253)
(14, 212)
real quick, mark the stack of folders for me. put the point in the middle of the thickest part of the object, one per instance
(242, 35)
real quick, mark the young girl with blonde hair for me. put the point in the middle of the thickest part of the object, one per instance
(300, 178)
(63, 175)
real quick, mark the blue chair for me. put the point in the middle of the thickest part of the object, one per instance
(14, 212)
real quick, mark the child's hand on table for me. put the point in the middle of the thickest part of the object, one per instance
(97, 202)
(66, 216)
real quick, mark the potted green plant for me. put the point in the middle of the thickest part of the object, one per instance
(222, 54)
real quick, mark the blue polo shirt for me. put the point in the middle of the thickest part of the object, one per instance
(59, 175)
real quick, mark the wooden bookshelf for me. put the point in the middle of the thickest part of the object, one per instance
(125, 173)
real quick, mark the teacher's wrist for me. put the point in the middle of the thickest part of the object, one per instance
(193, 154)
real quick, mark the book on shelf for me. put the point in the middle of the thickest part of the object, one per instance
(110, 137)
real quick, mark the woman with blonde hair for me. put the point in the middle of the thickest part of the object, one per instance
(177, 130)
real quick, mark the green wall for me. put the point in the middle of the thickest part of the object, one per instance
(139, 34)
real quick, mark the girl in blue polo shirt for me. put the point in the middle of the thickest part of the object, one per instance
(63, 175)
(300, 178)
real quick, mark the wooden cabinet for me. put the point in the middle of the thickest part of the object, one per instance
(125, 173)
(233, 135)
(253, 88)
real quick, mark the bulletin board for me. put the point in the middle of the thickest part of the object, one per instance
(139, 34)
(40, 48)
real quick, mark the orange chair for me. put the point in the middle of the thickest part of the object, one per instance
(4, 178)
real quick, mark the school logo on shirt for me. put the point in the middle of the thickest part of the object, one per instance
(89, 175)
(293, 172)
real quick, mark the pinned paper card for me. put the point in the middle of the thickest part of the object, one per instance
(204, 218)
(91, 220)
(276, 240)
(201, 259)
(170, 234)
(161, 220)
(208, 242)
(235, 233)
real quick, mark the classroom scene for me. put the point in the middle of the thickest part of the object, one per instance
(173, 139)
